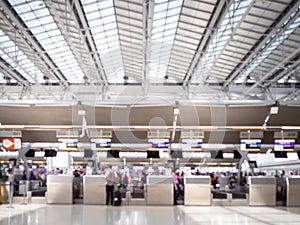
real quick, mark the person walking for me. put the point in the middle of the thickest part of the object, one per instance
(110, 177)
(177, 189)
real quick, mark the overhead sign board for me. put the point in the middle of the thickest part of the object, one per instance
(250, 144)
(68, 144)
(158, 144)
(101, 144)
(191, 144)
(11, 133)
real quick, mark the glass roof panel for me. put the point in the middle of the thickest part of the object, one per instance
(165, 21)
(107, 41)
(231, 20)
(16, 58)
(2, 80)
(71, 70)
(271, 48)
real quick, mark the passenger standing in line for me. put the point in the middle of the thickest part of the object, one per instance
(110, 177)
(177, 190)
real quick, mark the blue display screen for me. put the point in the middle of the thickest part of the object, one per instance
(284, 144)
(190, 144)
(250, 144)
(101, 144)
(158, 144)
(68, 143)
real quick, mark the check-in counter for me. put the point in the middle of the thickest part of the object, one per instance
(59, 189)
(262, 191)
(293, 187)
(94, 189)
(160, 190)
(197, 190)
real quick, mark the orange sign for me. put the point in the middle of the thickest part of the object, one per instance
(11, 143)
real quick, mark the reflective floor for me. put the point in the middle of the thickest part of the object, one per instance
(146, 215)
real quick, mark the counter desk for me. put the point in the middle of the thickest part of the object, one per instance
(160, 190)
(59, 189)
(292, 191)
(197, 190)
(262, 191)
(94, 189)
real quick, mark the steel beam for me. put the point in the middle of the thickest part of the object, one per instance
(15, 22)
(266, 42)
(207, 39)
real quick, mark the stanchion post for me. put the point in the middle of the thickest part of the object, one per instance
(10, 194)
(1, 192)
(23, 188)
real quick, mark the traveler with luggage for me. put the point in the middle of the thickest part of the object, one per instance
(110, 177)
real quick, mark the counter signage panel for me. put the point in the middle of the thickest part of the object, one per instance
(191, 144)
(284, 144)
(101, 144)
(252, 164)
(68, 144)
(158, 144)
(250, 144)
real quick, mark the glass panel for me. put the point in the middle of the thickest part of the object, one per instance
(17, 59)
(231, 20)
(40, 28)
(165, 21)
(107, 41)
(271, 48)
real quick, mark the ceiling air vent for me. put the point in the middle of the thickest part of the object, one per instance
(289, 134)
(192, 134)
(251, 134)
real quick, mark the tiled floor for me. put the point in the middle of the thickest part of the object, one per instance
(146, 215)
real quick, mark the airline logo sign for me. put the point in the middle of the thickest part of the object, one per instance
(11, 143)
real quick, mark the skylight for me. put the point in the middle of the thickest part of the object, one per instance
(103, 26)
(270, 49)
(11, 53)
(165, 21)
(231, 20)
(38, 19)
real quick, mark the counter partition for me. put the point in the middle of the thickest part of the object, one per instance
(160, 190)
(293, 187)
(262, 191)
(197, 190)
(59, 189)
(94, 189)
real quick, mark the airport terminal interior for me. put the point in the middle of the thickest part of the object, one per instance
(192, 104)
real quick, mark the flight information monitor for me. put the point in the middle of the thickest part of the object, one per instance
(101, 144)
(284, 144)
(191, 144)
(250, 144)
(158, 144)
(68, 144)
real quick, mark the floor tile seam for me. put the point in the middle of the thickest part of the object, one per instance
(249, 216)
